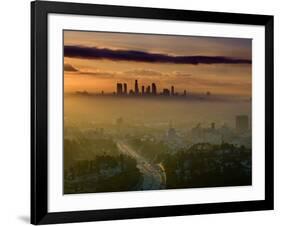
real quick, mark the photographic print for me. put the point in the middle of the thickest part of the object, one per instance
(151, 112)
(146, 112)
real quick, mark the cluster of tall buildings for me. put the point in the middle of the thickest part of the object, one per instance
(121, 89)
(238, 135)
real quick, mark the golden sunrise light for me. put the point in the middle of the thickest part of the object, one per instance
(197, 64)
(150, 112)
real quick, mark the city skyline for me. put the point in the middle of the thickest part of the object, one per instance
(149, 90)
(98, 60)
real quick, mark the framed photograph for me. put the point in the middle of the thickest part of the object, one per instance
(145, 112)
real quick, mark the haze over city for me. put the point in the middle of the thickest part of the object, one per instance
(149, 112)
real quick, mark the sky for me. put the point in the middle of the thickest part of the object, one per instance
(96, 61)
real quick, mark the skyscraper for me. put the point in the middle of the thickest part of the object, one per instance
(125, 88)
(148, 90)
(136, 87)
(172, 90)
(119, 89)
(131, 92)
(142, 90)
(154, 90)
(242, 123)
(166, 92)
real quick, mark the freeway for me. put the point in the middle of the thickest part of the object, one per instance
(154, 176)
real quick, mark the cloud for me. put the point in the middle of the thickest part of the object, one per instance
(99, 74)
(70, 68)
(218, 83)
(96, 73)
(181, 74)
(143, 72)
(140, 72)
(141, 56)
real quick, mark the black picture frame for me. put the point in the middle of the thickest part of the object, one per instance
(39, 112)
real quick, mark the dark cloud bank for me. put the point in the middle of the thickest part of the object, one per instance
(68, 67)
(140, 56)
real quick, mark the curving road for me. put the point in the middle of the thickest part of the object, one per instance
(154, 175)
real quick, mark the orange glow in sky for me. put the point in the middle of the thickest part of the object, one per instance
(101, 70)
